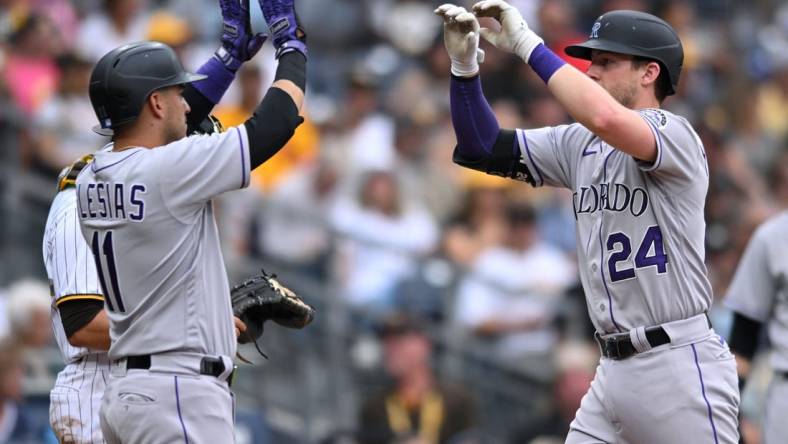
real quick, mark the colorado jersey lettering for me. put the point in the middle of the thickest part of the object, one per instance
(640, 227)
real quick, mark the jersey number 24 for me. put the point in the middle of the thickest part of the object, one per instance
(643, 258)
(103, 251)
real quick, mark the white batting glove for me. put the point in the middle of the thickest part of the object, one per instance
(514, 36)
(461, 37)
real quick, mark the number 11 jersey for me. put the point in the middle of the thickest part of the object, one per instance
(148, 217)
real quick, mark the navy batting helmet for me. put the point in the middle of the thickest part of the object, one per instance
(124, 78)
(638, 34)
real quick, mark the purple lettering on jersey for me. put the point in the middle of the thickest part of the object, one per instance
(593, 198)
(91, 186)
(99, 195)
(643, 202)
(619, 188)
(82, 214)
(138, 202)
(119, 209)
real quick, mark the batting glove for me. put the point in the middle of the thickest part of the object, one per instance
(515, 36)
(461, 37)
(282, 20)
(239, 44)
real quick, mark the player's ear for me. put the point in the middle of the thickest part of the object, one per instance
(157, 103)
(650, 74)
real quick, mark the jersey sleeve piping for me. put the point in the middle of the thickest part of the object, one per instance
(523, 142)
(644, 166)
(74, 297)
(244, 165)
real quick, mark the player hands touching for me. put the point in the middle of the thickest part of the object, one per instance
(606, 114)
(239, 43)
(461, 37)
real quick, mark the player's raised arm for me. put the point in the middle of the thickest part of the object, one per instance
(239, 45)
(277, 117)
(583, 96)
(481, 144)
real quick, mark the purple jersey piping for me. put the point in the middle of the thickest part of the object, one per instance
(180, 416)
(602, 274)
(703, 391)
(524, 141)
(243, 158)
(96, 170)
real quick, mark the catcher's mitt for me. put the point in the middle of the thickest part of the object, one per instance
(261, 298)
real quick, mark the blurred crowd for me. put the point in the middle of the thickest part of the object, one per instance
(365, 197)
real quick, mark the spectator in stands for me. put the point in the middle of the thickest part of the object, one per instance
(63, 134)
(299, 151)
(118, 22)
(28, 312)
(479, 226)
(569, 387)
(294, 227)
(17, 425)
(512, 293)
(382, 238)
(30, 71)
(416, 409)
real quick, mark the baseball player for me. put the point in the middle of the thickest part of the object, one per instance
(145, 209)
(758, 294)
(639, 177)
(79, 321)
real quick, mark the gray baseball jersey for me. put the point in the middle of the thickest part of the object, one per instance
(148, 217)
(640, 227)
(759, 289)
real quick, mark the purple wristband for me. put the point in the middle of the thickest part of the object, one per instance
(219, 79)
(544, 62)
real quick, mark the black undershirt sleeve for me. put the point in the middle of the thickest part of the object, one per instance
(504, 160)
(276, 119)
(78, 313)
(200, 107)
(744, 336)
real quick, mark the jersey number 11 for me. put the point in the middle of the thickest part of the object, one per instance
(110, 274)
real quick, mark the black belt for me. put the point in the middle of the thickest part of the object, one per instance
(209, 365)
(619, 346)
(784, 375)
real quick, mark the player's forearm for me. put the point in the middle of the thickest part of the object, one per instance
(202, 96)
(93, 335)
(593, 107)
(276, 119)
(475, 124)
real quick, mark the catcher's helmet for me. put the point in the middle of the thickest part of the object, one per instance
(638, 34)
(124, 78)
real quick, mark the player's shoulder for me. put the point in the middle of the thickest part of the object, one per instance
(663, 119)
(773, 228)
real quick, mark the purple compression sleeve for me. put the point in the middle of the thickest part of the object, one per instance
(475, 124)
(219, 79)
